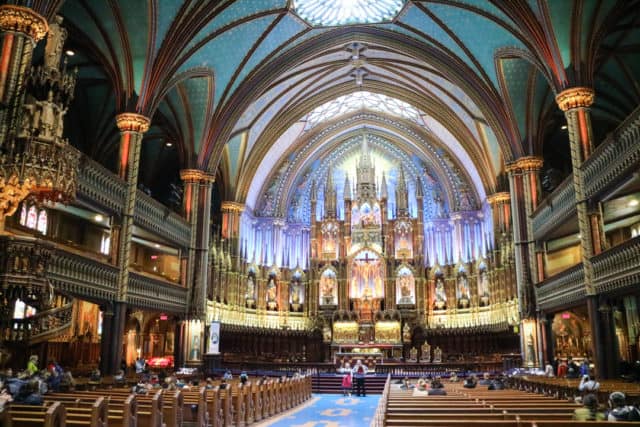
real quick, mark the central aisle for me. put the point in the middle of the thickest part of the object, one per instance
(328, 410)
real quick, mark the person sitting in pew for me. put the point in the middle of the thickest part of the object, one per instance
(5, 396)
(619, 410)
(454, 377)
(436, 383)
(29, 394)
(589, 410)
(486, 379)
(406, 384)
(470, 382)
(588, 384)
(437, 392)
(496, 384)
(423, 384)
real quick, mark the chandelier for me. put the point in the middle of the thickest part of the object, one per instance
(35, 160)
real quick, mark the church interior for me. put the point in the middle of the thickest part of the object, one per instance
(299, 184)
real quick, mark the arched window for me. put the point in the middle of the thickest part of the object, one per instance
(23, 215)
(42, 222)
(32, 217)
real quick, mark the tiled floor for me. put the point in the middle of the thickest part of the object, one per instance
(328, 410)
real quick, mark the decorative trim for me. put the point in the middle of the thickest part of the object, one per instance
(132, 122)
(232, 206)
(498, 198)
(528, 163)
(194, 175)
(23, 20)
(575, 97)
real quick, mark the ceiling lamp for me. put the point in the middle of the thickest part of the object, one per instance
(35, 160)
(347, 12)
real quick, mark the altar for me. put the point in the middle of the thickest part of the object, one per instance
(370, 354)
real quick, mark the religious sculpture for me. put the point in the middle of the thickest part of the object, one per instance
(437, 355)
(327, 286)
(406, 333)
(272, 294)
(406, 287)
(463, 291)
(483, 287)
(413, 354)
(425, 355)
(441, 296)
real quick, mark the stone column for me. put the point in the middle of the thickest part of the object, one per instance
(132, 127)
(576, 103)
(197, 205)
(231, 213)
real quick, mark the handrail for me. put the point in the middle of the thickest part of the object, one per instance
(563, 288)
(381, 411)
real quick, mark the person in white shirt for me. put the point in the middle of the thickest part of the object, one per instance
(588, 384)
(548, 370)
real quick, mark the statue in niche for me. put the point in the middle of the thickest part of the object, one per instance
(463, 291)
(426, 352)
(272, 294)
(295, 292)
(326, 334)
(251, 289)
(437, 355)
(55, 41)
(413, 354)
(327, 286)
(406, 333)
(441, 295)
(483, 287)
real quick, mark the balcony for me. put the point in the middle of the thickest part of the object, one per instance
(154, 293)
(79, 274)
(105, 191)
(618, 269)
(564, 288)
(613, 162)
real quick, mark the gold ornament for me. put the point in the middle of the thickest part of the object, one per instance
(23, 20)
(132, 122)
(576, 97)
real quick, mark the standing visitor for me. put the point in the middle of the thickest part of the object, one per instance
(359, 373)
(346, 383)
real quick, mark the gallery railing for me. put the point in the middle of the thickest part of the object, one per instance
(156, 294)
(565, 287)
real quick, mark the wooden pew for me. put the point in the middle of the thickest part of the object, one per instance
(173, 408)
(121, 408)
(52, 415)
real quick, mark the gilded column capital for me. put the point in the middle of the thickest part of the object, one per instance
(191, 174)
(495, 198)
(528, 163)
(196, 175)
(575, 97)
(132, 122)
(23, 20)
(232, 206)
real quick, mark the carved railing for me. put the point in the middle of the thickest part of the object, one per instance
(99, 186)
(155, 293)
(23, 266)
(615, 159)
(618, 268)
(157, 218)
(82, 276)
(40, 327)
(555, 209)
(564, 288)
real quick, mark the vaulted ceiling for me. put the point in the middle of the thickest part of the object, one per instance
(224, 81)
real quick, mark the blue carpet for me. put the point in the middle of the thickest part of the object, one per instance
(332, 410)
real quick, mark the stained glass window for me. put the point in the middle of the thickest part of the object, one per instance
(363, 100)
(347, 12)
(42, 222)
(32, 217)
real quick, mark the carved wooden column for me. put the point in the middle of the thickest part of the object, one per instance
(576, 103)
(21, 28)
(231, 213)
